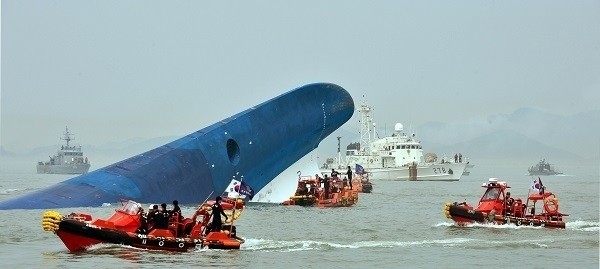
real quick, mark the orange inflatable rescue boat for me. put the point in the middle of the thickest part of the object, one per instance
(498, 207)
(328, 192)
(79, 231)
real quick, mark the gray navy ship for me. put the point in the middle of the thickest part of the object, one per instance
(67, 160)
(543, 168)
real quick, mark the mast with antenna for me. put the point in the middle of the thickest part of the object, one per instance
(365, 127)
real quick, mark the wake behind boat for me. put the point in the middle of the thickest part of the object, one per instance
(496, 206)
(68, 159)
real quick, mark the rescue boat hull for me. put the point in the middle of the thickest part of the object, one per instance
(79, 236)
(462, 215)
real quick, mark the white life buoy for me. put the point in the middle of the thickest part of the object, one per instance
(161, 243)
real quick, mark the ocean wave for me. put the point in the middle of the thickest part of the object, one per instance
(582, 225)
(304, 245)
(488, 225)
(8, 191)
(578, 225)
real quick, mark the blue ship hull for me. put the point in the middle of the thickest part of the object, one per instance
(258, 144)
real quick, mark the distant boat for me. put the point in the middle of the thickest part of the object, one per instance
(67, 160)
(396, 157)
(543, 168)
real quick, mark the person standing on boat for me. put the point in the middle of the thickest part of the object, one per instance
(217, 211)
(143, 229)
(326, 186)
(509, 201)
(319, 180)
(334, 174)
(161, 218)
(349, 174)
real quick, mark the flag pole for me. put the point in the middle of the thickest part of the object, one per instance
(234, 206)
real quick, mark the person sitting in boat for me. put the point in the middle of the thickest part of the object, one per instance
(217, 212)
(305, 189)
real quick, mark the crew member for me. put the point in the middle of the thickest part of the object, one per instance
(161, 218)
(217, 211)
(143, 229)
(509, 202)
(349, 174)
(176, 210)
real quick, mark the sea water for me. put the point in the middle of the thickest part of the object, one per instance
(399, 225)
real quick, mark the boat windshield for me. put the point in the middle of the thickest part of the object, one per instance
(131, 207)
(491, 194)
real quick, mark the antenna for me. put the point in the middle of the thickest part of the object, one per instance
(339, 158)
(365, 127)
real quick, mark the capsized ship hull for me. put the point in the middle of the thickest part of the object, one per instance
(258, 143)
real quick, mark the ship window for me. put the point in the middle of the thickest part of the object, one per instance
(233, 151)
(491, 194)
(402, 146)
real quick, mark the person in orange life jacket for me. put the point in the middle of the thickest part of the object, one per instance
(143, 229)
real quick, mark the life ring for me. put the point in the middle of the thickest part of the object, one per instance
(371, 161)
(161, 243)
(551, 205)
(181, 245)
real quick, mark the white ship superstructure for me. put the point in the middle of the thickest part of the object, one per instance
(399, 156)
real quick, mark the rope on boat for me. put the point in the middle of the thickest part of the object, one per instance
(51, 220)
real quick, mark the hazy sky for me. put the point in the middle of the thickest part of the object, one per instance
(115, 70)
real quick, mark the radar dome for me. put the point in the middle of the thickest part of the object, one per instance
(398, 127)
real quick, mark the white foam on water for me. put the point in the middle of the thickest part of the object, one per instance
(8, 191)
(290, 246)
(582, 225)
